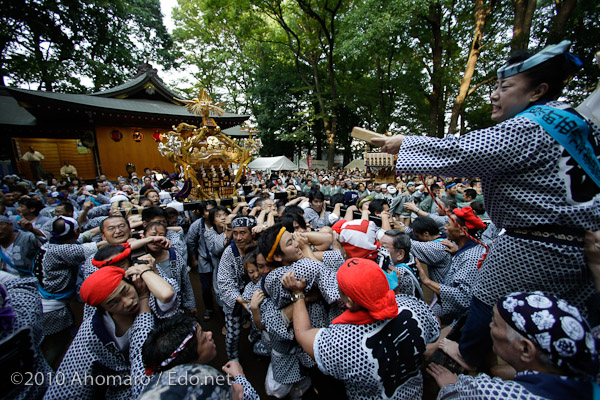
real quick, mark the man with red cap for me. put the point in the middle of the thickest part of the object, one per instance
(164, 300)
(453, 294)
(375, 346)
(104, 359)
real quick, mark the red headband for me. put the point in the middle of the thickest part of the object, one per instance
(365, 283)
(116, 259)
(99, 285)
(472, 221)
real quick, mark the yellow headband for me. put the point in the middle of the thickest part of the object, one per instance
(272, 251)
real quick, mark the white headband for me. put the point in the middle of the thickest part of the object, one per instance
(538, 58)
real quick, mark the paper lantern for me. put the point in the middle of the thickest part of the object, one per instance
(116, 135)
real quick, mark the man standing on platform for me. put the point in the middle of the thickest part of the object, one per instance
(34, 158)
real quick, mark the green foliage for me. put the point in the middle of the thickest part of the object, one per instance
(61, 44)
(372, 64)
(585, 33)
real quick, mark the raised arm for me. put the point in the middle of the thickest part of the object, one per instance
(159, 287)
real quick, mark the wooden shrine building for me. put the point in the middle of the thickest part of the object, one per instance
(98, 133)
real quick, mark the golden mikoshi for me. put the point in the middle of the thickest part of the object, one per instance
(204, 154)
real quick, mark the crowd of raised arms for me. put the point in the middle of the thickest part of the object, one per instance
(478, 266)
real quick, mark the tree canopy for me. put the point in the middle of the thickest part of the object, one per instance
(306, 70)
(62, 45)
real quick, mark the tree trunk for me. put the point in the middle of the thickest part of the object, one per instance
(45, 80)
(436, 124)
(318, 135)
(347, 155)
(319, 146)
(383, 122)
(564, 8)
(326, 40)
(481, 14)
(524, 10)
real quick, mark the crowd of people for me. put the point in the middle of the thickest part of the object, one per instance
(478, 266)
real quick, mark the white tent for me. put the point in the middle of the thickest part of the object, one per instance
(360, 164)
(280, 163)
(303, 164)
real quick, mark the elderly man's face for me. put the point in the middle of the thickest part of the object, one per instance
(116, 230)
(268, 205)
(502, 346)
(388, 243)
(453, 231)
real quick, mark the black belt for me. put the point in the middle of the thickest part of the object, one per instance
(550, 234)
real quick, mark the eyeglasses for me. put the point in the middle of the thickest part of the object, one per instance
(113, 228)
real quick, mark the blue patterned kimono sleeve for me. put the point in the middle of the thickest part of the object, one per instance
(215, 242)
(249, 290)
(484, 152)
(227, 280)
(434, 255)
(456, 295)
(333, 259)
(77, 364)
(483, 386)
(314, 272)
(24, 298)
(142, 325)
(178, 244)
(188, 300)
(192, 237)
(273, 321)
(249, 392)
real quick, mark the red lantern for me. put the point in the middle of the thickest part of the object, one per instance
(157, 135)
(116, 135)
